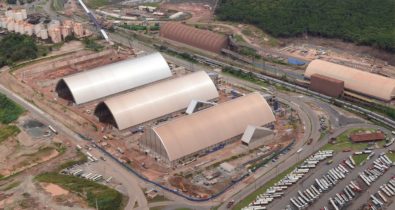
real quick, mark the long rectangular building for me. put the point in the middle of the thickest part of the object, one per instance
(192, 135)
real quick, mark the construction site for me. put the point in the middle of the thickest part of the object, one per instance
(50, 84)
(181, 102)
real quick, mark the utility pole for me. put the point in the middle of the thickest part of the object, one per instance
(97, 206)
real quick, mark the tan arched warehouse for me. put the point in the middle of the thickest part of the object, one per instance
(188, 135)
(355, 80)
(113, 78)
(203, 39)
(157, 100)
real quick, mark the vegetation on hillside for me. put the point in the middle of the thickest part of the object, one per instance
(9, 110)
(106, 198)
(360, 21)
(15, 47)
(91, 44)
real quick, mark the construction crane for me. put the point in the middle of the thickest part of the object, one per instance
(90, 15)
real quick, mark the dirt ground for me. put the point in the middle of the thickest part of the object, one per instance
(37, 82)
(23, 151)
(346, 47)
(199, 12)
(32, 195)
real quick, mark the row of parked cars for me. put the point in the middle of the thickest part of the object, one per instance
(368, 176)
(323, 184)
(277, 191)
(382, 196)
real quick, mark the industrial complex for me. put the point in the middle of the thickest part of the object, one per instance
(113, 78)
(158, 105)
(192, 136)
(199, 38)
(157, 100)
(351, 79)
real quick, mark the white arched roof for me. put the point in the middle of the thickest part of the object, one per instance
(192, 133)
(160, 99)
(117, 77)
(363, 82)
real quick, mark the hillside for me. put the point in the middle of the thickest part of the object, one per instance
(15, 47)
(366, 22)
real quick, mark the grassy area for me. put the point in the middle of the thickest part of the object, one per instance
(343, 142)
(141, 28)
(81, 158)
(15, 48)
(391, 156)
(107, 198)
(93, 4)
(12, 185)
(36, 156)
(251, 197)
(92, 45)
(8, 131)
(158, 198)
(9, 110)
(245, 76)
(359, 158)
(57, 5)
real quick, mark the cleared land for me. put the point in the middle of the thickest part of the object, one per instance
(362, 22)
(107, 198)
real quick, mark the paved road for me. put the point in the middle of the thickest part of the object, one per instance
(130, 183)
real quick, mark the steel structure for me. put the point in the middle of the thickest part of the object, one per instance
(199, 38)
(355, 80)
(113, 78)
(187, 136)
(154, 101)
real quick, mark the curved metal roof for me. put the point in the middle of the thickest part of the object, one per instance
(199, 38)
(117, 77)
(192, 133)
(355, 80)
(160, 99)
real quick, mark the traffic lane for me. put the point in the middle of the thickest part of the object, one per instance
(127, 179)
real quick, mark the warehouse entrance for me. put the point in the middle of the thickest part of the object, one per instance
(103, 113)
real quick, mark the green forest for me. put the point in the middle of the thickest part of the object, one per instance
(15, 47)
(365, 22)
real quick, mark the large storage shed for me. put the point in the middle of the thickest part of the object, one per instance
(355, 80)
(185, 137)
(199, 38)
(113, 78)
(157, 100)
(326, 85)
